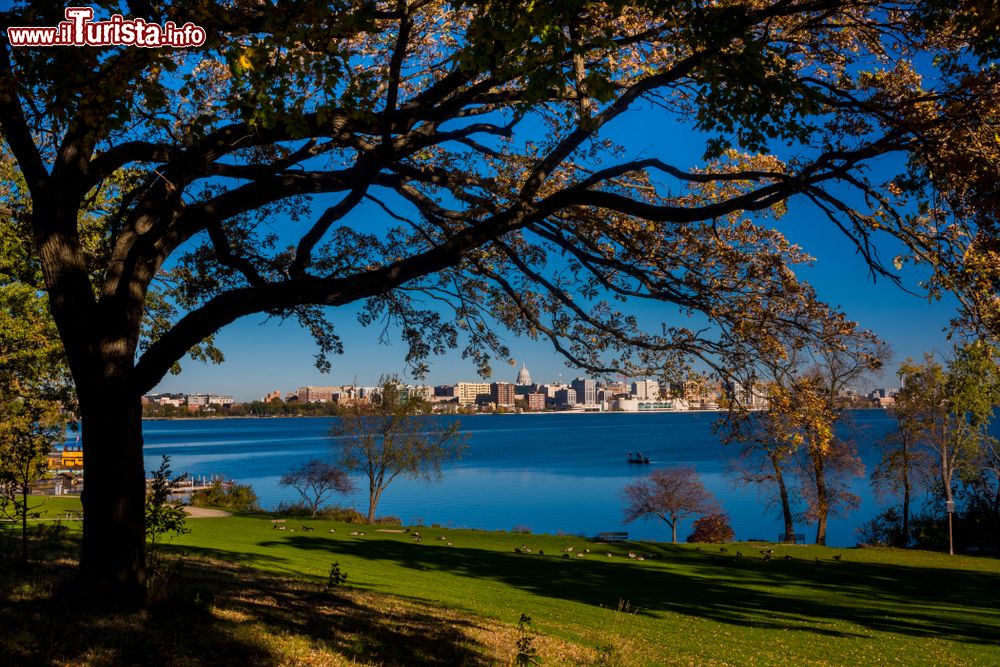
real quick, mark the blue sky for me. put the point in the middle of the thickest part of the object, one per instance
(265, 355)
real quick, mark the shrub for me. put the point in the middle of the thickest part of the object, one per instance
(295, 509)
(883, 530)
(336, 576)
(237, 497)
(713, 528)
(162, 517)
(527, 654)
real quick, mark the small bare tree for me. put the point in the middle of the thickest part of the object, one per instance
(391, 437)
(315, 481)
(672, 494)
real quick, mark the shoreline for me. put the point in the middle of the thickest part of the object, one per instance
(471, 414)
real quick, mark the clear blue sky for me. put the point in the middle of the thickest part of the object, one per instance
(262, 356)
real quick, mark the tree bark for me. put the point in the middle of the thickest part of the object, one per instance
(114, 548)
(786, 506)
(373, 497)
(822, 501)
(905, 537)
(24, 523)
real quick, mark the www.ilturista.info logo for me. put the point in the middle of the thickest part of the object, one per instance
(79, 29)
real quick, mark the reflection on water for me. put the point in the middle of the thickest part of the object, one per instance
(549, 472)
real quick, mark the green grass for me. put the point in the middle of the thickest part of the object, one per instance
(874, 606)
(63, 508)
(684, 605)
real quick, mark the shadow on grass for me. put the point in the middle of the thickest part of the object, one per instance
(220, 614)
(799, 594)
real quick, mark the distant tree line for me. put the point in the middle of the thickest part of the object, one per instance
(276, 408)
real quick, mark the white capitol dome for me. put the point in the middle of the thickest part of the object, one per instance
(523, 376)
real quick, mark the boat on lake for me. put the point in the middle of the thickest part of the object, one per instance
(637, 458)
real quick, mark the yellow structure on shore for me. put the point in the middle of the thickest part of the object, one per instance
(69, 457)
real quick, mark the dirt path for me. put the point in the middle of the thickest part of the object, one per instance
(205, 513)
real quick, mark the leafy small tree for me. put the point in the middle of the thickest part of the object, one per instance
(767, 448)
(904, 466)
(949, 409)
(315, 481)
(162, 517)
(27, 430)
(672, 494)
(713, 528)
(391, 438)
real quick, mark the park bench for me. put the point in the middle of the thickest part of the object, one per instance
(612, 537)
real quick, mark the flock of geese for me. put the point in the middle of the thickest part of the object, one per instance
(568, 552)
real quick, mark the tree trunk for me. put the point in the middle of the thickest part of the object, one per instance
(946, 474)
(24, 524)
(907, 485)
(906, 516)
(786, 506)
(822, 501)
(373, 497)
(114, 540)
(673, 532)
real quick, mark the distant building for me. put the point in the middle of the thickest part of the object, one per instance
(175, 400)
(565, 397)
(472, 392)
(646, 390)
(367, 393)
(753, 397)
(586, 391)
(523, 376)
(885, 397)
(701, 393)
(550, 389)
(272, 397)
(311, 394)
(502, 393)
(885, 392)
(616, 389)
(204, 400)
(633, 404)
(422, 391)
(536, 402)
(68, 457)
(445, 390)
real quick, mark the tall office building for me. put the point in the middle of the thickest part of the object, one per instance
(586, 390)
(502, 393)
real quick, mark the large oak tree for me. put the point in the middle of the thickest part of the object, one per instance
(476, 139)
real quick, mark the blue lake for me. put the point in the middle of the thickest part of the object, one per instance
(544, 472)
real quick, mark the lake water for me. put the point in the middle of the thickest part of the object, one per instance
(544, 472)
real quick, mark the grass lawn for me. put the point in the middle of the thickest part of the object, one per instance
(680, 605)
(689, 604)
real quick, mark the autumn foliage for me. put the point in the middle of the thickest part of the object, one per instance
(713, 528)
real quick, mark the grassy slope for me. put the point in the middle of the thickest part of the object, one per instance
(693, 605)
(690, 605)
